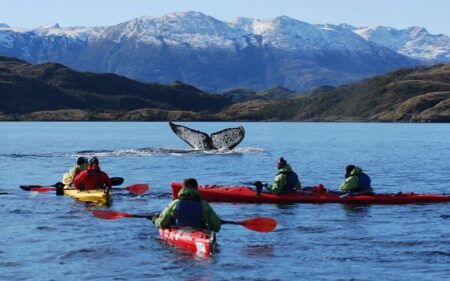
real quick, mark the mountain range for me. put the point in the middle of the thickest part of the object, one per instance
(54, 92)
(217, 56)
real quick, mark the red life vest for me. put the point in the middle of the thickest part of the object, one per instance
(92, 178)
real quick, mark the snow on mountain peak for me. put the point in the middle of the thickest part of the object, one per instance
(50, 26)
(3, 25)
(192, 28)
(196, 30)
(415, 42)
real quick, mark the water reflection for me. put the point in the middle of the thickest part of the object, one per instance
(352, 209)
(286, 206)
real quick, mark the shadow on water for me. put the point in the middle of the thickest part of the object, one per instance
(352, 209)
(286, 206)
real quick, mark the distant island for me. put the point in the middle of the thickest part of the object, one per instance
(53, 92)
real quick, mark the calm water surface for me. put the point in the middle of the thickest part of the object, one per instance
(44, 237)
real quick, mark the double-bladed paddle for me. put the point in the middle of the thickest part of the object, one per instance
(253, 182)
(255, 224)
(139, 188)
(259, 185)
(114, 181)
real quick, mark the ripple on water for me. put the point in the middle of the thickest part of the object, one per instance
(45, 228)
(39, 232)
(259, 251)
(90, 253)
(165, 151)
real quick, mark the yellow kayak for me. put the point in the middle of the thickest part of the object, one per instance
(96, 196)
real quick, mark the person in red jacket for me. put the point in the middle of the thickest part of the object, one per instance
(93, 177)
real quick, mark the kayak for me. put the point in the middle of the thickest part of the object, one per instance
(245, 194)
(199, 241)
(96, 196)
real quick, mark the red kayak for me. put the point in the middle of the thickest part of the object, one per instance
(244, 194)
(199, 241)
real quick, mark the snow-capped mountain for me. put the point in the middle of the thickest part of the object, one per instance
(217, 55)
(415, 42)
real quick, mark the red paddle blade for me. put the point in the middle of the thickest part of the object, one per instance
(43, 189)
(110, 215)
(260, 224)
(138, 188)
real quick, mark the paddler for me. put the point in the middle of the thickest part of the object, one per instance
(80, 166)
(285, 181)
(188, 210)
(356, 182)
(93, 177)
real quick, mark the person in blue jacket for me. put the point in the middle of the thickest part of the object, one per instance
(188, 210)
(356, 181)
(285, 181)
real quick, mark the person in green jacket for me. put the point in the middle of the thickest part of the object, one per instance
(356, 182)
(285, 181)
(188, 210)
(81, 165)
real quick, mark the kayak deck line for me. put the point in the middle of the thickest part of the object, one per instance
(245, 194)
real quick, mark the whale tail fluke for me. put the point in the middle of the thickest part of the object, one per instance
(228, 138)
(225, 139)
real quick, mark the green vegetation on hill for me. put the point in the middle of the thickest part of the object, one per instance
(418, 95)
(55, 92)
(26, 88)
(243, 95)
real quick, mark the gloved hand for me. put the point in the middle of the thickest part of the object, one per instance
(259, 186)
(153, 218)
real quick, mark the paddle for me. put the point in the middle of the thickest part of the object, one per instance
(255, 224)
(259, 185)
(114, 181)
(254, 183)
(113, 215)
(139, 188)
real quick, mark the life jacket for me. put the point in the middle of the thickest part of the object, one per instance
(364, 182)
(291, 182)
(189, 213)
(92, 178)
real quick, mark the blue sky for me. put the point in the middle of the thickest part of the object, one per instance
(431, 14)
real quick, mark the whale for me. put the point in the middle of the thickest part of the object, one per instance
(225, 139)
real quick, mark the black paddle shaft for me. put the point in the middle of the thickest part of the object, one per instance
(228, 222)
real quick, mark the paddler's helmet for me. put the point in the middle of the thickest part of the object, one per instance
(81, 160)
(348, 170)
(281, 163)
(190, 183)
(93, 161)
